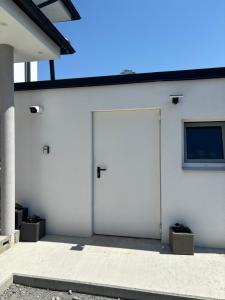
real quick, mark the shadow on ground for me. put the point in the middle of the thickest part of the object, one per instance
(79, 243)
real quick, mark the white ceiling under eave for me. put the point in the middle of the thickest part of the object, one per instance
(55, 12)
(29, 41)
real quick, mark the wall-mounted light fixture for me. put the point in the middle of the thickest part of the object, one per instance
(175, 99)
(36, 109)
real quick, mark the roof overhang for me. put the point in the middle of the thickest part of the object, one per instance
(35, 14)
(58, 10)
(29, 31)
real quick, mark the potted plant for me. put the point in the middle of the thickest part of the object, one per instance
(32, 229)
(181, 240)
(21, 213)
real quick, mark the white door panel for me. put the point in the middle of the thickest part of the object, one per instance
(127, 195)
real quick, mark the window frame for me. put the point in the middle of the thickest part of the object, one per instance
(203, 163)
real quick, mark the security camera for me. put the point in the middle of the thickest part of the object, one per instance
(175, 99)
(36, 109)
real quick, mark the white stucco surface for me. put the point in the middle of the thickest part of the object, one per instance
(58, 186)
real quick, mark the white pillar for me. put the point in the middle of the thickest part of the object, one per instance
(7, 140)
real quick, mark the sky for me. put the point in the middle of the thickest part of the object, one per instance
(142, 35)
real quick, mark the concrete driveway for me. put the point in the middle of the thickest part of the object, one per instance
(123, 262)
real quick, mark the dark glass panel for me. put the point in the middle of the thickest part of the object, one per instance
(204, 142)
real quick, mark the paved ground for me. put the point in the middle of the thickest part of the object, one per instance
(132, 263)
(19, 292)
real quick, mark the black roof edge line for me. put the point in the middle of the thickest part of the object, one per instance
(72, 10)
(35, 14)
(194, 74)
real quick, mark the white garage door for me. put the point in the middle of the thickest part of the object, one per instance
(127, 173)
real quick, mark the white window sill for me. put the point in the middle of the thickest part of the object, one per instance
(204, 166)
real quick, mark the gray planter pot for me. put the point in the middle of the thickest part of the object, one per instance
(20, 215)
(181, 242)
(32, 232)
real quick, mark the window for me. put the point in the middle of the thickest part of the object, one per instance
(204, 144)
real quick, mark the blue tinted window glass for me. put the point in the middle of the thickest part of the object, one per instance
(204, 142)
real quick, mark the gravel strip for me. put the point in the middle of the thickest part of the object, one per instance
(20, 292)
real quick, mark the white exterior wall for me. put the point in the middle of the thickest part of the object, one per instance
(58, 186)
(19, 72)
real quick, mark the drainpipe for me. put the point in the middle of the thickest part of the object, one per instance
(7, 115)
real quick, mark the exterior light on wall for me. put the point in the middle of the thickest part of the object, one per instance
(175, 99)
(36, 109)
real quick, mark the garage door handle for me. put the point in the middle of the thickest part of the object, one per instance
(99, 170)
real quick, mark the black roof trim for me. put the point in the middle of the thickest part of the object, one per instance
(72, 10)
(124, 79)
(35, 14)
